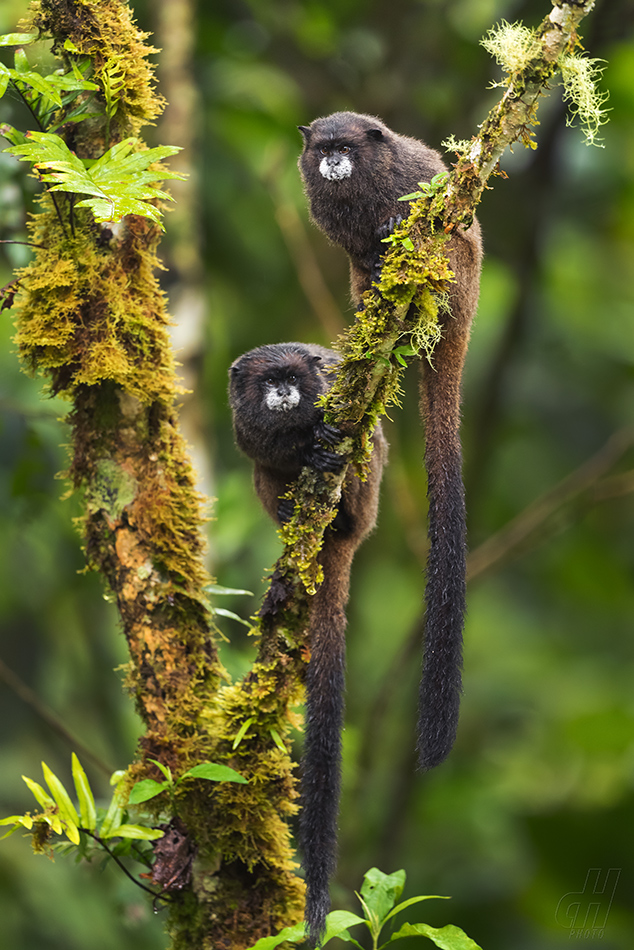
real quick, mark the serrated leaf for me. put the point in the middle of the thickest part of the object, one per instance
(447, 938)
(67, 811)
(140, 832)
(18, 39)
(146, 789)
(214, 773)
(41, 796)
(118, 181)
(85, 797)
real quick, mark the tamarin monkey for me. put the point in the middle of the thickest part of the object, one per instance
(273, 391)
(354, 170)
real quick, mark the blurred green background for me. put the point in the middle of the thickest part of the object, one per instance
(538, 794)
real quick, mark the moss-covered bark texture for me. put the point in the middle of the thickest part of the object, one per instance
(91, 317)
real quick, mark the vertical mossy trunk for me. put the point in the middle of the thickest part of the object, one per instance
(91, 317)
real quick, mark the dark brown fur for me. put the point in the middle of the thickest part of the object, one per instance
(281, 443)
(355, 211)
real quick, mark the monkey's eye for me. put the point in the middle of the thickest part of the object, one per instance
(344, 149)
(291, 379)
(269, 381)
(324, 150)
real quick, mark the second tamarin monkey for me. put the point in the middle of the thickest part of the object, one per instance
(354, 170)
(273, 392)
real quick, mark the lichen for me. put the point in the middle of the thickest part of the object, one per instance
(512, 45)
(580, 75)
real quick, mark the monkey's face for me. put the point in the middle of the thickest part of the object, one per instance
(335, 147)
(276, 386)
(336, 162)
(281, 391)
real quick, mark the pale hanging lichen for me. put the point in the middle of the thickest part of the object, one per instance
(514, 45)
(580, 75)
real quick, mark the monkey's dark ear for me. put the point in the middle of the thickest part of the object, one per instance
(315, 359)
(305, 131)
(375, 134)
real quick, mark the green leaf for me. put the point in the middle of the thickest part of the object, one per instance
(24, 820)
(53, 821)
(229, 613)
(221, 591)
(85, 797)
(338, 921)
(146, 789)
(118, 181)
(115, 808)
(14, 135)
(381, 891)
(414, 194)
(41, 796)
(5, 76)
(18, 39)
(447, 938)
(415, 900)
(242, 732)
(142, 832)
(67, 811)
(214, 773)
(277, 739)
(165, 769)
(292, 934)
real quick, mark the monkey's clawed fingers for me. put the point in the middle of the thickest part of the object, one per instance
(323, 460)
(285, 510)
(384, 230)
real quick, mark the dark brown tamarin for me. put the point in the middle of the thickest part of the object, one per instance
(273, 392)
(354, 170)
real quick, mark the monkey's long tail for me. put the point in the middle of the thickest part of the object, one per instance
(321, 779)
(441, 682)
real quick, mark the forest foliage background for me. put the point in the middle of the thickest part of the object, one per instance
(540, 787)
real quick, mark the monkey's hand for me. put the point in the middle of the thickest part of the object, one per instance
(321, 457)
(285, 510)
(382, 232)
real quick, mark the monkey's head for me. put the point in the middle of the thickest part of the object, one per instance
(340, 146)
(276, 386)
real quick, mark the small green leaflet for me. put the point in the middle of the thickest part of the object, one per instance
(17, 39)
(85, 797)
(118, 181)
